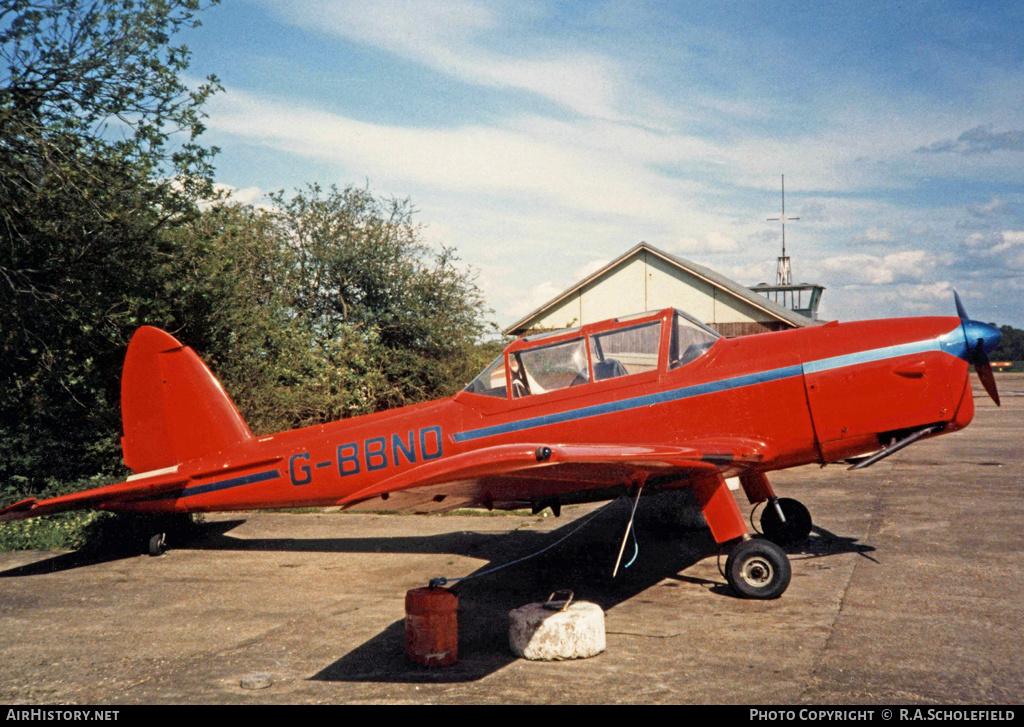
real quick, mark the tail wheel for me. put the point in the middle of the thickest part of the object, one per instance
(158, 544)
(758, 568)
(796, 527)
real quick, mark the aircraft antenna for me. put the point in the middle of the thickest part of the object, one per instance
(783, 274)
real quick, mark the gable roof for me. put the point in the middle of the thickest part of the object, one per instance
(717, 280)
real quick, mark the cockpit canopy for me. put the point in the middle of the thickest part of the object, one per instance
(621, 347)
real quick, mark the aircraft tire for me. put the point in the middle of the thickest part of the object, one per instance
(158, 544)
(758, 568)
(797, 525)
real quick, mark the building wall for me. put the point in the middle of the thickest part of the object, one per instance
(670, 286)
(621, 291)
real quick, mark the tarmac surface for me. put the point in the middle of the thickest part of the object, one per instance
(907, 591)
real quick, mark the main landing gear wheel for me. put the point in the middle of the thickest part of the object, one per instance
(758, 568)
(796, 527)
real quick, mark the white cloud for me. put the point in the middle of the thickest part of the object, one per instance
(572, 194)
(993, 208)
(899, 267)
(598, 179)
(978, 140)
(995, 254)
(866, 302)
(409, 27)
(459, 39)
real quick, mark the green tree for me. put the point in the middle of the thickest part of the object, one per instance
(329, 305)
(1011, 346)
(364, 268)
(90, 97)
(231, 290)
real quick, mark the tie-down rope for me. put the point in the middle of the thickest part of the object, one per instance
(442, 581)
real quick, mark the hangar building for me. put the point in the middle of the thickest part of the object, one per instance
(646, 278)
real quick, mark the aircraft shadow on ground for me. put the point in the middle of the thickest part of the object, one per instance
(582, 563)
(67, 561)
(824, 543)
(575, 556)
(106, 551)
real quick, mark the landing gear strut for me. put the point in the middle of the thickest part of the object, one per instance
(757, 568)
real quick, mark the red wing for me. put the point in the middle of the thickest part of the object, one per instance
(513, 475)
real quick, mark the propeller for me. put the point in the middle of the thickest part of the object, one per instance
(981, 339)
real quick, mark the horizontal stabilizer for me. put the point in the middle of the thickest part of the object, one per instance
(98, 497)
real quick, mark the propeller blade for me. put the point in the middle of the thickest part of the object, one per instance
(984, 369)
(987, 338)
(960, 311)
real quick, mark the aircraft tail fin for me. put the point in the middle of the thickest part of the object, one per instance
(173, 408)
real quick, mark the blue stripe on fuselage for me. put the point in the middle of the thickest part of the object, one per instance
(952, 343)
(228, 484)
(633, 403)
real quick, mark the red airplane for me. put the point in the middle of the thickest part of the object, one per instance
(650, 402)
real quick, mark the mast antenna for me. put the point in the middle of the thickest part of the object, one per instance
(783, 274)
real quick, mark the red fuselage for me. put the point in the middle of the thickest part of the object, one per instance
(817, 394)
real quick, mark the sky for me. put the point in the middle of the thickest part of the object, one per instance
(542, 140)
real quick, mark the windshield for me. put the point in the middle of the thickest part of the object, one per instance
(491, 381)
(690, 339)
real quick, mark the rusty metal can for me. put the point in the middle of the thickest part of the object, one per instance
(431, 626)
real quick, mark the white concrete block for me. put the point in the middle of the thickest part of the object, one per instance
(540, 634)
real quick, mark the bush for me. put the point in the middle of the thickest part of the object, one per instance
(67, 531)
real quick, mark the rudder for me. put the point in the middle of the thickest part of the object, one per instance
(173, 408)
